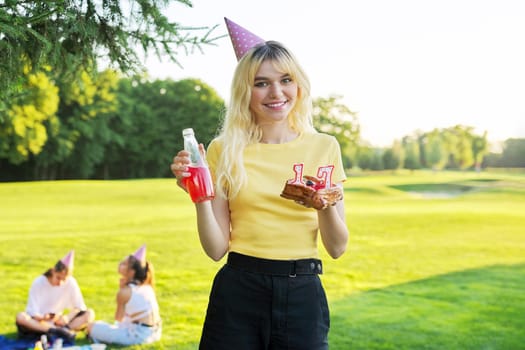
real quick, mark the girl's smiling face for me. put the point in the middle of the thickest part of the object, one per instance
(274, 94)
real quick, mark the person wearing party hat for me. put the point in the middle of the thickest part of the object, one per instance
(50, 295)
(137, 314)
(268, 294)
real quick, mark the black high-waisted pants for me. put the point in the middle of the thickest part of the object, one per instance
(267, 304)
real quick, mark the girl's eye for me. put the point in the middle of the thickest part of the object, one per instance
(261, 84)
(287, 80)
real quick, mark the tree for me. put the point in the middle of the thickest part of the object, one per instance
(480, 147)
(411, 150)
(449, 141)
(458, 140)
(333, 117)
(393, 157)
(81, 133)
(75, 136)
(365, 157)
(377, 160)
(513, 155)
(150, 119)
(70, 36)
(435, 151)
(22, 126)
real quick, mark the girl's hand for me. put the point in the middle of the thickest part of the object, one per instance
(61, 320)
(179, 167)
(39, 317)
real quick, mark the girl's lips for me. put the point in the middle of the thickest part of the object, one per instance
(276, 104)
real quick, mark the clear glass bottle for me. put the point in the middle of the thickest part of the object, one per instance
(199, 184)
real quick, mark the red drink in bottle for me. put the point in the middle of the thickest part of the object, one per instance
(199, 184)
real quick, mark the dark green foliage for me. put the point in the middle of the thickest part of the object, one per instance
(134, 136)
(454, 147)
(513, 153)
(411, 148)
(67, 35)
(150, 119)
(390, 159)
(78, 137)
(364, 157)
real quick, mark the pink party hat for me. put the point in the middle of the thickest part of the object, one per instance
(242, 39)
(69, 259)
(140, 254)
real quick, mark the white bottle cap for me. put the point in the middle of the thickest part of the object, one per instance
(188, 131)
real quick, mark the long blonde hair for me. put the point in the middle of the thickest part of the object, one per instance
(239, 128)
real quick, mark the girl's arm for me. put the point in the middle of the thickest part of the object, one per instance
(333, 229)
(213, 217)
(213, 223)
(123, 296)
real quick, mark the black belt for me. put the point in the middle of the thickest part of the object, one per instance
(290, 268)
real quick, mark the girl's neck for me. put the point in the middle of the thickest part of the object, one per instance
(278, 135)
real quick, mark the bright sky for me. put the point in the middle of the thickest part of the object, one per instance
(401, 65)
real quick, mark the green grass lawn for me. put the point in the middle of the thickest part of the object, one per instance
(435, 260)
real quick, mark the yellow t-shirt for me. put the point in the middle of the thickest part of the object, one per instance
(264, 224)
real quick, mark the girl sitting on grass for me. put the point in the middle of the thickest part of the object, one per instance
(50, 295)
(137, 316)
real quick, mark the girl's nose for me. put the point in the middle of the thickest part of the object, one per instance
(275, 91)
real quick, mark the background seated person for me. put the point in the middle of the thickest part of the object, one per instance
(50, 295)
(137, 314)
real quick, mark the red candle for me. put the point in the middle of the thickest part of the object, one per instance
(325, 173)
(298, 170)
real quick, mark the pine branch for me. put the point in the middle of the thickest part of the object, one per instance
(70, 35)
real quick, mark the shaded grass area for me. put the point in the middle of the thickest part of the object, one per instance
(471, 309)
(417, 271)
(446, 188)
